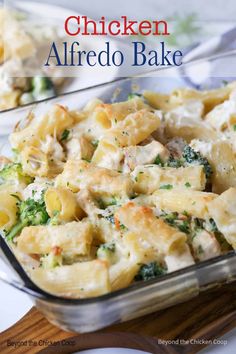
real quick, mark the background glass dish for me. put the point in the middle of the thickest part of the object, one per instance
(87, 315)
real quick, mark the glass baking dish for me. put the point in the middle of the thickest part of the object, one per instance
(87, 315)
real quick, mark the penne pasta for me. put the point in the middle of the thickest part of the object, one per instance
(62, 203)
(149, 178)
(100, 181)
(73, 239)
(53, 123)
(135, 128)
(156, 232)
(222, 210)
(8, 210)
(178, 200)
(221, 156)
(93, 279)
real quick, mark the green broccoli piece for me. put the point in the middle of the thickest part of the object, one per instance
(14, 172)
(107, 252)
(31, 213)
(51, 260)
(40, 84)
(150, 271)
(194, 157)
(176, 163)
(171, 162)
(42, 87)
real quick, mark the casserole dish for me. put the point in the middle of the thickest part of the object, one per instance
(86, 315)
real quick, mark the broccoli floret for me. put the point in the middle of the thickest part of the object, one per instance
(107, 252)
(171, 162)
(51, 260)
(189, 156)
(176, 163)
(30, 213)
(42, 88)
(14, 172)
(193, 157)
(40, 84)
(150, 271)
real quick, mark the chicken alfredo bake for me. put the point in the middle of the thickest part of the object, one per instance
(97, 199)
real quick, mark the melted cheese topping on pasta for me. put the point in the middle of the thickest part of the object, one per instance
(118, 192)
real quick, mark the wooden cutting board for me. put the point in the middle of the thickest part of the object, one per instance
(207, 317)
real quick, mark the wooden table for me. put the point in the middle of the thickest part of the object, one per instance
(207, 317)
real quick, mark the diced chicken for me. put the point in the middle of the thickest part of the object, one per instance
(205, 245)
(143, 155)
(79, 148)
(179, 259)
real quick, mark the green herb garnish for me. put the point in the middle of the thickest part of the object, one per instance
(65, 135)
(166, 186)
(150, 271)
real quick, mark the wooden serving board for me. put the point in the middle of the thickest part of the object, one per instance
(207, 317)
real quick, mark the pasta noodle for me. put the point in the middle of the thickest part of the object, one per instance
(151, 177)
(93, 279)
(222, 209)
(178, 200)
(74, 238)
(100, 181)
(62, 202)
(8, 210)
(142, 221)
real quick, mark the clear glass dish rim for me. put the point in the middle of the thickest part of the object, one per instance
(125, 291)
(123, 79)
